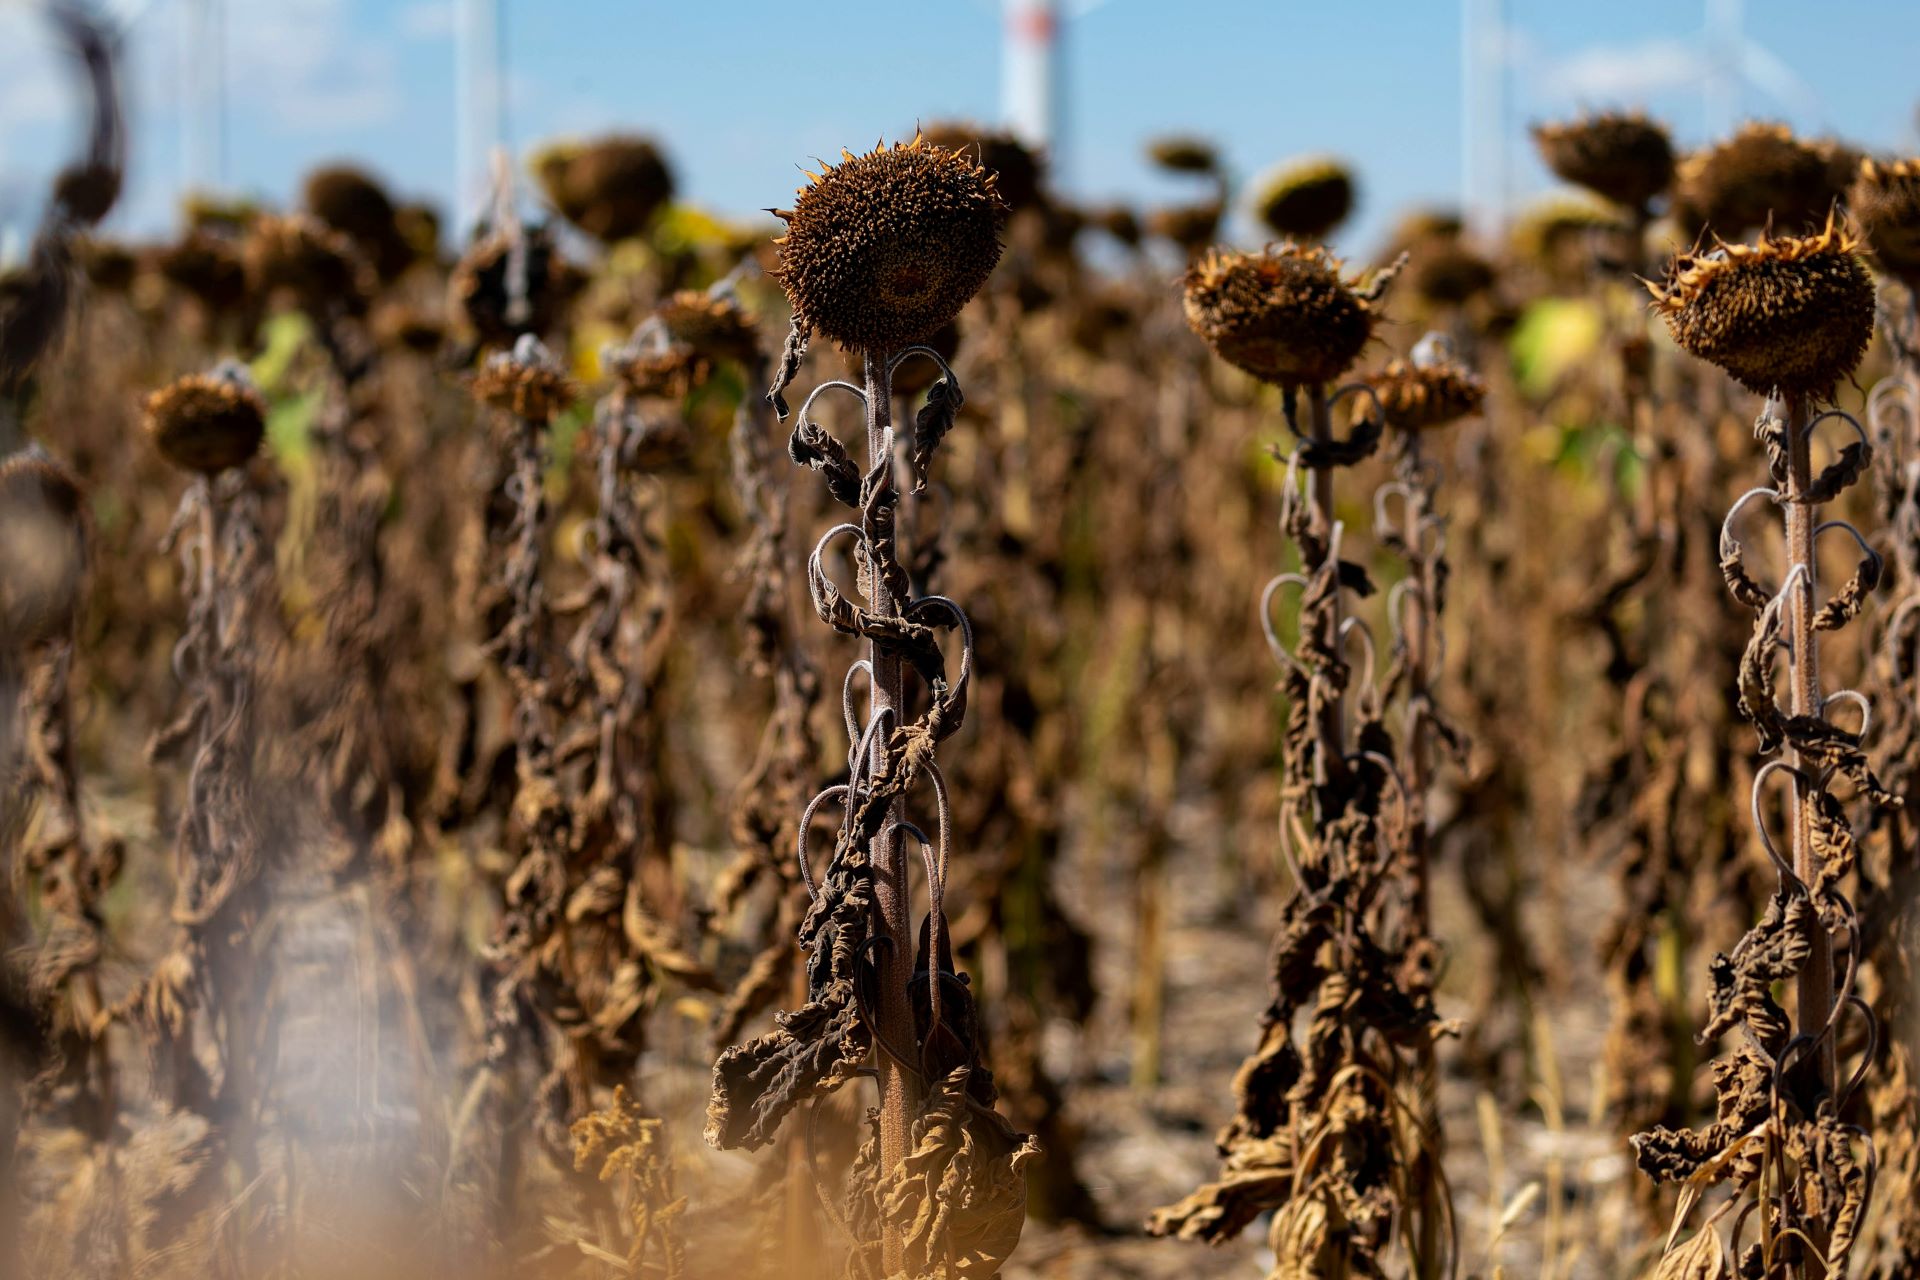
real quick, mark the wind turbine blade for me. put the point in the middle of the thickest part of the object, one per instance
(1768, 72)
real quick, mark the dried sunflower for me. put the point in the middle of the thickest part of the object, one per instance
(1761, 176)
(1306, 199)
(305, 258)
(715, 326)
(526, 382)
(207, 422)
(1284, 315)
(208, 268)
(1016, 167)
(353, 203)
(482, 296)
(1182, 154)
(1886, 202)
(1625, 158)
(884, 248)
(1792, 314)
(609, 187)
(1418, 397)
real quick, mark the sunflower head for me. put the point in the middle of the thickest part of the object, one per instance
(1625, 158)
(1417, 397)
(43, 551)
(481, 286)
(1180, 153)
(1762, 176)
(1886, 201)
(884, 248)
(526, 382)
(1449, 274)
(353, 203)
(715, 326)
(1792, 314)
(609, 187)
(1284, 314)
(1554, 233)
(1017, 169)
(208, 422)
(1307, 199)
(207, 268)
(304, 258)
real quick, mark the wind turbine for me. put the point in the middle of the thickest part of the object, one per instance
(1032, 73)
(1720, 57)
(480, 108)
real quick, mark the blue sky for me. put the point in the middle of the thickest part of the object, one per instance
(744, 91)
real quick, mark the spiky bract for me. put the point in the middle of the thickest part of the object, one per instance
(1016, 168)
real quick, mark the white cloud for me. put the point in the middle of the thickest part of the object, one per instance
(309, 67)
(1627, 73)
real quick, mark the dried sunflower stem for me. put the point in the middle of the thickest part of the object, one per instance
(1816, 978)
(1418, 629)
(892, 893)
(1331, 762)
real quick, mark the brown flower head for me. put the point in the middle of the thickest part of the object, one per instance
(1284, 315)
(43, 551)
(526, 382)
(353, 203)
(206, 267)
(222, 215)
(207, 422)
(1625, 158)
(716, 326)
(481, 293)
(310, 262)
(1191, 226)
(675, 349)
(1762, 175)
(1792, 314)
(1886, 202)
(884, 248)
(1307, 199)
(1448, 274)
(1016, 168)
(1556, 234)
(1182, 154)
(110, 267)
(609, 187)
(1420, 396)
